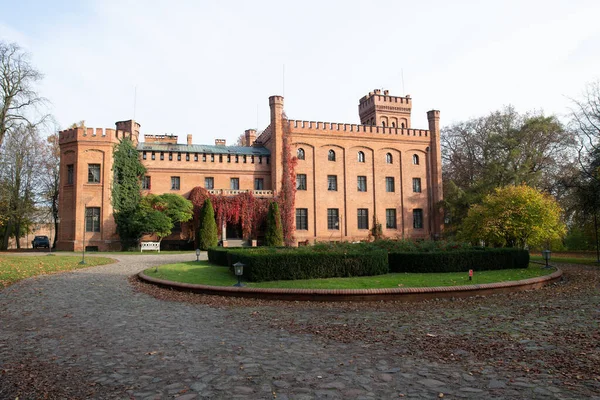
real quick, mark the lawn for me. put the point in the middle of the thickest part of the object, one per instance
(15, 268)
(587, 260)
(207, 274)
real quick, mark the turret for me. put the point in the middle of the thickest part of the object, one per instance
(384, 110)
(433, 117)
(276, 144)
(131, 130)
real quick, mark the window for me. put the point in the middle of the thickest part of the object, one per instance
(300, 154)
(237, 159)
(361, 156)
(332, 182)
(417, 185)
(390, 218)
(179, 157)
(301, 182)
(70, 174)
(92, 219)
(195, 156)
(162, 155)
(187, 156)
(170, 156)
(153, 156)
(220, 158)
(93, 173)
(383, 123)
(234, 183)
(333, 218)
(389, 184)
(259, 183)
(302, 219)
(146, 182)
(228, 158)
(244, 159)
(252, 159)
(209, 182)
(331, 155)
(393, 124)
(143, 155)
(417, 218)
(267, 159)
(363, 218)
(175, 181)
(203, 157)
(415, 159)
(362, 183)
(212, 158)
(389, 159)
(260, 159)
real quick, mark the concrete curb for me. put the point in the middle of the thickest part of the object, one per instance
(394, 294)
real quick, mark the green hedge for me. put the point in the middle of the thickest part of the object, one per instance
(459, 261)
(275, 265)
(218, 255)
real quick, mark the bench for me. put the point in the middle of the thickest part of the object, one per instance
(149, 246)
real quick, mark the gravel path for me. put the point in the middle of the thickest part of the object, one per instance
(91, 334)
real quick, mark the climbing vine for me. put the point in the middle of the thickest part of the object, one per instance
(287, 198)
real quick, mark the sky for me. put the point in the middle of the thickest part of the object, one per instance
(207, 67)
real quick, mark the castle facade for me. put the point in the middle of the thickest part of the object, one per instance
(348, 176)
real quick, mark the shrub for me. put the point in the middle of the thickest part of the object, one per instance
(207, 234)
(274, 233)
(459, 260)
(290, 264)
(218, 256)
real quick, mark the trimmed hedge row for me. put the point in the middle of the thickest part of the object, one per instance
(301, 264)
(459, 261)
(218, 255)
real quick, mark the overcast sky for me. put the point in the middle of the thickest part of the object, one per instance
(208, 67)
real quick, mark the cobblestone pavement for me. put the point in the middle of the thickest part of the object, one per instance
(88, 334)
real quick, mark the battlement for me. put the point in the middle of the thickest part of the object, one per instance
(375, 97)
(87, 134)
(168, 139)
(333, 128)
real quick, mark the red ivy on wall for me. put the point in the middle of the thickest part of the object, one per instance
(287, 198)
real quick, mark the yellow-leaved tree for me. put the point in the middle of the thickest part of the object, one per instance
(514, 216)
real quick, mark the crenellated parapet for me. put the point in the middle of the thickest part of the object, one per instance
(90, 134)
(361, 130)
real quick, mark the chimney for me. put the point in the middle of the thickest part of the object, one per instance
(189, 139)
(220, 142)
(249, 137)
(386, 92)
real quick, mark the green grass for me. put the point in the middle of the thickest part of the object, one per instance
(129, 252)
(567, 260)
(15, 268)
(207, 274)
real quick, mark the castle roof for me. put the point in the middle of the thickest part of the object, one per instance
(203, 148)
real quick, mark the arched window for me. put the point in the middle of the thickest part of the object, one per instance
(361, 156)
(300, 153)
(383, 123)
(331, 155)
(415, 159)
(393, 124)
(403, 125)
(389, 159)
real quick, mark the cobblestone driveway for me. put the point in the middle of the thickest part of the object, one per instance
(87, 334)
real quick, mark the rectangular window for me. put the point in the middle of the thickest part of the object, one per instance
(170, 156)
(390, 184)
(143, 155)
(228, 158)
(220, 158)
(234, 184)
(302, 219)
(209, 182)
(259, 183)
(363, 218)
(153, 156)
(252, 159)
(244, 159)
(237, 159)
(70, 174)
(162, 156)
(417, 218)
(332, 182)
(92, 219)
(212, 158)
(267, 159)
(146, 182)
(175, 183)
(362, 183)
(187, 156)
(93, 173)
(203, 157)
(333, 218)
(301, 182)
(390, 218)
(260, 159)
(417, 185)
(195, 156)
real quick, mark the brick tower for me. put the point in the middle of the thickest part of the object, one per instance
(385, 110)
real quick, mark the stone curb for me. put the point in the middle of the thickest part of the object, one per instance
(394, 294)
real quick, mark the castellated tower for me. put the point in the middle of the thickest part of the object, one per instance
(384, 110)
(86, 160)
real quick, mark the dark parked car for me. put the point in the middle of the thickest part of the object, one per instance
(40, 241)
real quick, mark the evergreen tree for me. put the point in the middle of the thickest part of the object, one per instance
(207, 231)
(126, 192)
(274, 234)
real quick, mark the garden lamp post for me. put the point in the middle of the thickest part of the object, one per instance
(238, 267)
(546, 255)
(198, 255)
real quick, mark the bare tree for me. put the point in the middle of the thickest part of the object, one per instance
(19, 101)
(19, 179)
(50, 179)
